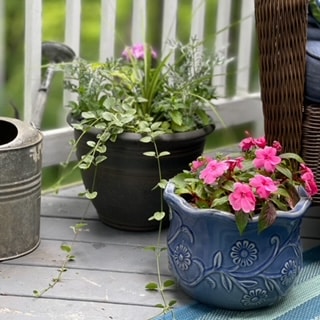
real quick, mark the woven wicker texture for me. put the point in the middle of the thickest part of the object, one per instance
(311, 143)
(281, 31)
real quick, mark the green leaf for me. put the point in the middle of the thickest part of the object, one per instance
(91, 195)
(267, 216)
(84, 166)
(107, 116)
(241, 221)
(172, 303)
(162, 184)
(65, 247)
(100, 126)
(146, 139)
(279, 203)
(217, 202)
(150, 153)
(285, 171)
(164, 153)
(91, 144)
(176, 117)
(152, 286)
(71, 258)
(150, 248)
(156, 125)
(87, 158)
(169, 283)
(180, 179)
(103, 137)
(102, 149)
(79, 226)
(283, 192)
(289, 155)
(37, 293)
(159, 215)
(100, 159)
(88, 115)
(77, 126)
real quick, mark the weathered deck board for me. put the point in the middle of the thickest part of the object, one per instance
(25, 308)
(95, 256)
(106, 281)
(108, 277)
(81, 285)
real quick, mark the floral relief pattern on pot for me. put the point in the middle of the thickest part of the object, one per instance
(217, 266)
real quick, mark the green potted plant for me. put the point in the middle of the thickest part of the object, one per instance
(234, 239)
(139, 119)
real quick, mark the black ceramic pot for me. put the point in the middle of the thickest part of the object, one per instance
(124, 181)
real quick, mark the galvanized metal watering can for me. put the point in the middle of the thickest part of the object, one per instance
(20, 170)
(20, 187)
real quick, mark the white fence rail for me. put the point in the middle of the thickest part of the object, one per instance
(242, 40)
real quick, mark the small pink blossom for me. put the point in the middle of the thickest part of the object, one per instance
(199, 163)
(264, 186)
(137, 51)
(235, 163)
(247, 144)
(308, 177)
(260, 142)
(267, 158)
(242, 198)
(277, 145)
(213, 170)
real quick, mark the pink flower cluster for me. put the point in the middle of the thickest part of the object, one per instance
(250, 180)
(137, 51)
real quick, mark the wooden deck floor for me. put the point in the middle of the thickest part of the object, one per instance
(108, 277)
(106, 281)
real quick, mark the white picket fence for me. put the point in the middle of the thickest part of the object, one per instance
(234, 110)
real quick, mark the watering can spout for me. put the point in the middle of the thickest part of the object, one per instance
(56, 53)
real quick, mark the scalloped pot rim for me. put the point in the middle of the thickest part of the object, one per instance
(177, 136)
(177, 200)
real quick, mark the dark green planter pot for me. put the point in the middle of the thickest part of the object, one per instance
(124, 181)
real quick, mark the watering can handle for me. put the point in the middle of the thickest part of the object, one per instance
(55, 52)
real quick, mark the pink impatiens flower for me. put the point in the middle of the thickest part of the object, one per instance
(264, 186)
(247, 144)
(260, 142)
(267, 158)
(277, 145)
(137, 51)
(235, 163)
(242, 198)
(199, 163)
(308, 177)
(213, 170)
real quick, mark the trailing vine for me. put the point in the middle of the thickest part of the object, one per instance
(161, 285)
(68, 250)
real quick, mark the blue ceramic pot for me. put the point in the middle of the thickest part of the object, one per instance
(215, 265)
